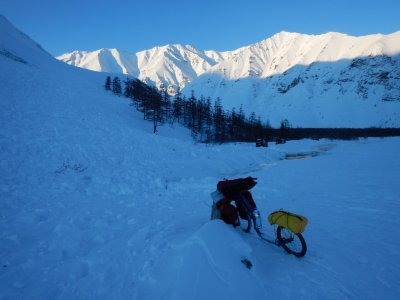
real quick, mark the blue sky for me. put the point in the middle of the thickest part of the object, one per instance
(63, 26)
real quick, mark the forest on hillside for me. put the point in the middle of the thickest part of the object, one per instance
(209, 122)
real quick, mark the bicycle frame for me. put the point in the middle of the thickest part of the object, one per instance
(250, 214)
(287, 235)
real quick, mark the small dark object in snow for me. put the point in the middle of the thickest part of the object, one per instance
(4, 266)
(247, 263)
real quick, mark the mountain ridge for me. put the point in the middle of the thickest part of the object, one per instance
(18, 46)
(326, 80)
(176, 65)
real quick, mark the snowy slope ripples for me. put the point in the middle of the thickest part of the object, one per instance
(95, 206)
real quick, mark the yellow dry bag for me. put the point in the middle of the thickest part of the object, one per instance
(293, 222)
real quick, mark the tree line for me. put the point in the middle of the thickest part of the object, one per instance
(207, 120)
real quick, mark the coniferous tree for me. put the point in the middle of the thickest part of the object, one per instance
(141, 94)
(283, 130)
(208, 121)
(219, 121)
(228, 126)
(233, 125)
(166, 106)
(200, 117)
(192, 110)
(154, 108)
(128, 89)
(259, 129)
(134, 90)
(107, 85)
(177, 106)
(116, 86)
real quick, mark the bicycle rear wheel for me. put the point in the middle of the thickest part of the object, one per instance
(291, 242)
(245, 224)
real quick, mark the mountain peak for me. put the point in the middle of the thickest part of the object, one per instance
(177, 65)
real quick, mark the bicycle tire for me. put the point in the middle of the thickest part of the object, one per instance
(297, 246)
(245, 224)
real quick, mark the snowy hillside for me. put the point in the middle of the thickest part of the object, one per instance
(94, 206)
(356, 93)
(328, 80)
(19, 47)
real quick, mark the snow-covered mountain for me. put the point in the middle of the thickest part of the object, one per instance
(286, 50)
(171, 66)
(324, 80)
(95, 206)
(358, 92)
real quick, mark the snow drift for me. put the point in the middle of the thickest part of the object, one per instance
(94, 206)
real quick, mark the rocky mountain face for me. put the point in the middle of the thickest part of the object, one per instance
(359, 92)
(171, 66)
(177, 65)
(324, 80)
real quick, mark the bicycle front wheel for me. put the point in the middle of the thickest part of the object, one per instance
(291, 242)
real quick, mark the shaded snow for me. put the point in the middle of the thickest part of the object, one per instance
(94, 206)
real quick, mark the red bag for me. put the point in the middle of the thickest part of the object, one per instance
(229, 213)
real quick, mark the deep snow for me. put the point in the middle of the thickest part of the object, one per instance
(94, 206)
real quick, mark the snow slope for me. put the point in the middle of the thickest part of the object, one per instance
(350, 195)
(358, 93)
(94, 206)
(328, 80)
(17, 46)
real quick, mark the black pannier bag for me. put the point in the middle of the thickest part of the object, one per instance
(231, 188)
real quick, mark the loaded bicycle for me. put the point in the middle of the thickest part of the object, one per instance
(288, 226)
